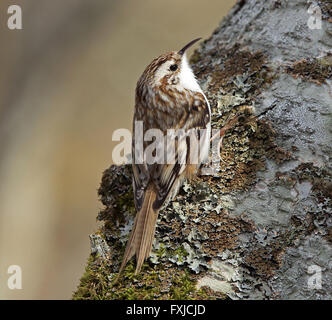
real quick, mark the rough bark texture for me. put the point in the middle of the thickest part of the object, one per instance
(262, 224)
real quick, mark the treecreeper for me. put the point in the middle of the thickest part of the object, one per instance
(169, 101)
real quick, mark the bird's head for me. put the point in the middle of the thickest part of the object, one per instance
(172, 69)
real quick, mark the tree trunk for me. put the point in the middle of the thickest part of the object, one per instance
(261, 227)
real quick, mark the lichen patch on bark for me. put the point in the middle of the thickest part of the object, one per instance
(317, 70)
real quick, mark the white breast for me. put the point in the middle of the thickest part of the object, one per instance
(187, 77)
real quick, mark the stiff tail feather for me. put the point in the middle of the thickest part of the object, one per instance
(142, 234)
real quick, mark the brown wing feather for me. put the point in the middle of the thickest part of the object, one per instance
(193, 115)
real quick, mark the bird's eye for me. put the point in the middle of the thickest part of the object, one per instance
(173, 67)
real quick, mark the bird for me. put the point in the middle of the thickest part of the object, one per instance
(168, 99)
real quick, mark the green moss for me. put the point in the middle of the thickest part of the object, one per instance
(94, 282)
(178, 254)
(181, 253)
(183, 287)
(98, 283)
(161, 251)
(126, 202)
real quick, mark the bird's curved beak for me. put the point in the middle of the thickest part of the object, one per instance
(182, 51)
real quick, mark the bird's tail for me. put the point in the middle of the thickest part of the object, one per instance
(142, 234)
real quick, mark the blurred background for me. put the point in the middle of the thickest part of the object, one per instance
(67, 80)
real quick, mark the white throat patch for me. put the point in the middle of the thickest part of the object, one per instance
(187, 77)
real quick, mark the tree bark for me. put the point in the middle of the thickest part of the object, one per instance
(261, 227)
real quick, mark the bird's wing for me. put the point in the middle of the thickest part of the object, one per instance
(186, 120)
